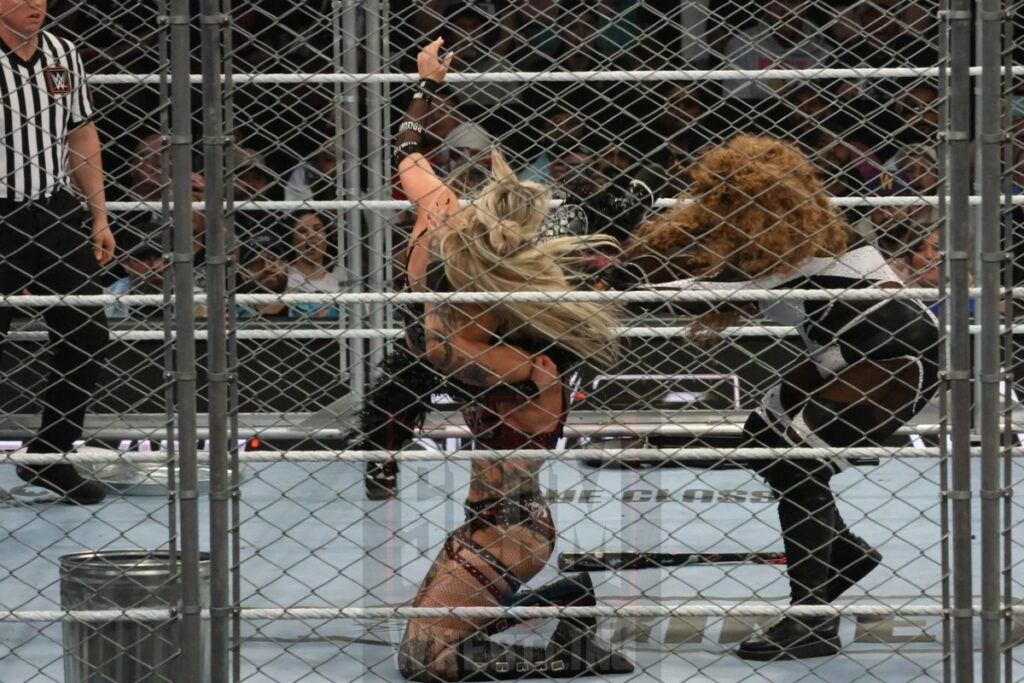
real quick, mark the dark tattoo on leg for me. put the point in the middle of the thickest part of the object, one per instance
(510, 477)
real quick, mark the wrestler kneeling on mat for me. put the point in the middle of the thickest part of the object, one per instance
(759, 218)
(512, 359)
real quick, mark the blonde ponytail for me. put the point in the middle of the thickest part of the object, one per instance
(493, 246)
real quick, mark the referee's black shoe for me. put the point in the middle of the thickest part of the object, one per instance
(64, 480)
(794, 638)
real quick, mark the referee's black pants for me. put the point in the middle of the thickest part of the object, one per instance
(46, 248)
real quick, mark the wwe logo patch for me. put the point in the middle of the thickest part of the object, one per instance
(58, 80)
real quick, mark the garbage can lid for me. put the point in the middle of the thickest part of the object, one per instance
(123, 562)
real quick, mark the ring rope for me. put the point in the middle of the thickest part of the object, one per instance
(709, 294)
(604, 454)
(636, 75)
(323, 613)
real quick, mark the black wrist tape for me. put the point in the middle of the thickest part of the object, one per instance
(426, 89)
(404, 149)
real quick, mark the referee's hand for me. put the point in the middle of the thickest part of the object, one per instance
(102, 243)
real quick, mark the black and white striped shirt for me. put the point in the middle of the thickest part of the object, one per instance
(44, 98)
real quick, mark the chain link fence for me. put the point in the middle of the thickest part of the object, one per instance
(271, 479)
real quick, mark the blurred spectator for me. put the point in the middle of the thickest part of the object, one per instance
(500, 19)
(253, 178)
(261, 271)
(847, 168)
(467, 34)
(255, 181)
(535, 33)
(913, 172)
(147, 185)
(811, 107)
(890, 219)
(309, 270)
(144, 268)
(613, 161)
(573, 172)
(725, 19)
(917, 164)
(465, 157)
(146, 173)
(578, 30)
(559, 127)
(918, 108)
(914, 120)
(783, 38)
(685, 122)
(884, 33)
(913, 252)
(602, 106)
(678, 35)
(316, 177)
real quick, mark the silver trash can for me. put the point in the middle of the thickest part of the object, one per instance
(125, 651)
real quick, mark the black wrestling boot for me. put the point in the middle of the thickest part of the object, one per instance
(808, 518)
(64, 480)
(574, 649)
(571, 652)
(584, 652)
(852, 559)
(570, 591)
(381, 480)
(794, 638)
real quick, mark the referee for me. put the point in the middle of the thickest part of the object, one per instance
(48, 143)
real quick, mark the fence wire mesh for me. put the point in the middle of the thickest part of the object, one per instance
(715, 366)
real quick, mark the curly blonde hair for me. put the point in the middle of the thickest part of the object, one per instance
(756, 208)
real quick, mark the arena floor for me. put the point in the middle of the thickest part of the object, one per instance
(311, 539)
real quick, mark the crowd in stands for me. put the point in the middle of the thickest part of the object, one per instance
(868, 136)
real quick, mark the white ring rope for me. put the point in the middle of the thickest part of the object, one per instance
(638, 75)
(710, 294)
(663, 611)
(285, 332)
(454, 430)
(399, 204)
(604, 454)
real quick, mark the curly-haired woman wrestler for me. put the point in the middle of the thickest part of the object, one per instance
(512, 359)
(759, 218)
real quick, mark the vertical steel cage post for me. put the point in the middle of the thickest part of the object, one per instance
(234, 481)
(167, 287)
(386, 90)
(1009, 435)
(212, 20)
(346, 349)
(185, 356)
(942, 188)
(377, 160)
(959, 373)
(990, 363)
(352, 178)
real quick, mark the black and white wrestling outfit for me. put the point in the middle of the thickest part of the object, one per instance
(824, 557)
